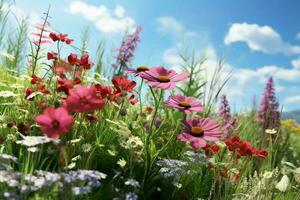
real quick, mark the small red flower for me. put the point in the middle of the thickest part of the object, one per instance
(103, 91)
(28, 92)
(211, 150)
(149, 109)
(86, 62)
(72, 59)
(35, 79)
(122, 84)
(52, 55)
(64, 85)
(55, 122)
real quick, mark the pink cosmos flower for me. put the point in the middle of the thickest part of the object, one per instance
(163, 78)
(55, 122)
(184, 104)
(136, 71)
(198, 131)
(84, 99)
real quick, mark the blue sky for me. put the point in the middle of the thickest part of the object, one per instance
(258, 38)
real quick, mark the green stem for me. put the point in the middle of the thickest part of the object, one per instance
(148, 139)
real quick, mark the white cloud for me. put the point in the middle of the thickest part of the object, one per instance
(171, 58)
(259, 38)
(292, 99)
(298, 36)
(106, 20)
(296, 63)
(169, 25)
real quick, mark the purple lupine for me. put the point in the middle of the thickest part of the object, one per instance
(127, 49)
(228, 122)
(268, 114)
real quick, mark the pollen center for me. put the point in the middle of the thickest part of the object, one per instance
(197, 131)
(184, 104)
(142, 69)
(163, 79)
(55, 124)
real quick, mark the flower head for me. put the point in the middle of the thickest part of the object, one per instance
(84, 99)
(139, 70)
(198, 131)
(55, 122)
(184, 104)
(163, 78)
(127, 49)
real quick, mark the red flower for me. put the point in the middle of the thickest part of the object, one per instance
(52, 55)
(55, 122)
(103, 91)
(64, 85)
(35, 79)
(60, 37)
(72, 59)
(132, 100)
(86, 62)
(42, 89)
(83, 99)
(28, 92)
(149, 109)
(211, 150)
(260, 153)
(121, 84)
(245, 148)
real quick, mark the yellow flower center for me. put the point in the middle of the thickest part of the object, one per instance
(163, 79)
(197, 131)
(184, 104)
(142, 68)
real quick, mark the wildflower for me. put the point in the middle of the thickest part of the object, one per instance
(86, 147)
(283, 184)
(136, 71)
(121, 162)
(172, 168)
(72, 59)
(127, 49)
(83, 99)
(268, 115)
(64, 85)
(131, 196)
(211, 150)
(85, 61)
(55, 122)
(133, 183)
(31, 141)
(271, 131)
(60, 37)
(122, 84)
(35, 79)
(52, 55)
(184, 104)
(103, 91)
(228, 122)
(197, 131)
(267, 175)
(160, 77)
(149, 109)
(81, 190)
(297, 175)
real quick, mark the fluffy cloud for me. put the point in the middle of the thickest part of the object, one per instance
(169, 25)
(298, 36)
(259, 38)
(296, 63)
(292, 99)
(105, 20)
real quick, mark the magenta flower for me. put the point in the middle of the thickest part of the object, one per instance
(163, 78)
(184, 104)
(55, 122)
(84, 99)
(198, 131)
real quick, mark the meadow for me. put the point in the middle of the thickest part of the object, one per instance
(77, 127)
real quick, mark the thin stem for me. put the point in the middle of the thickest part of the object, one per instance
(148, 138)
